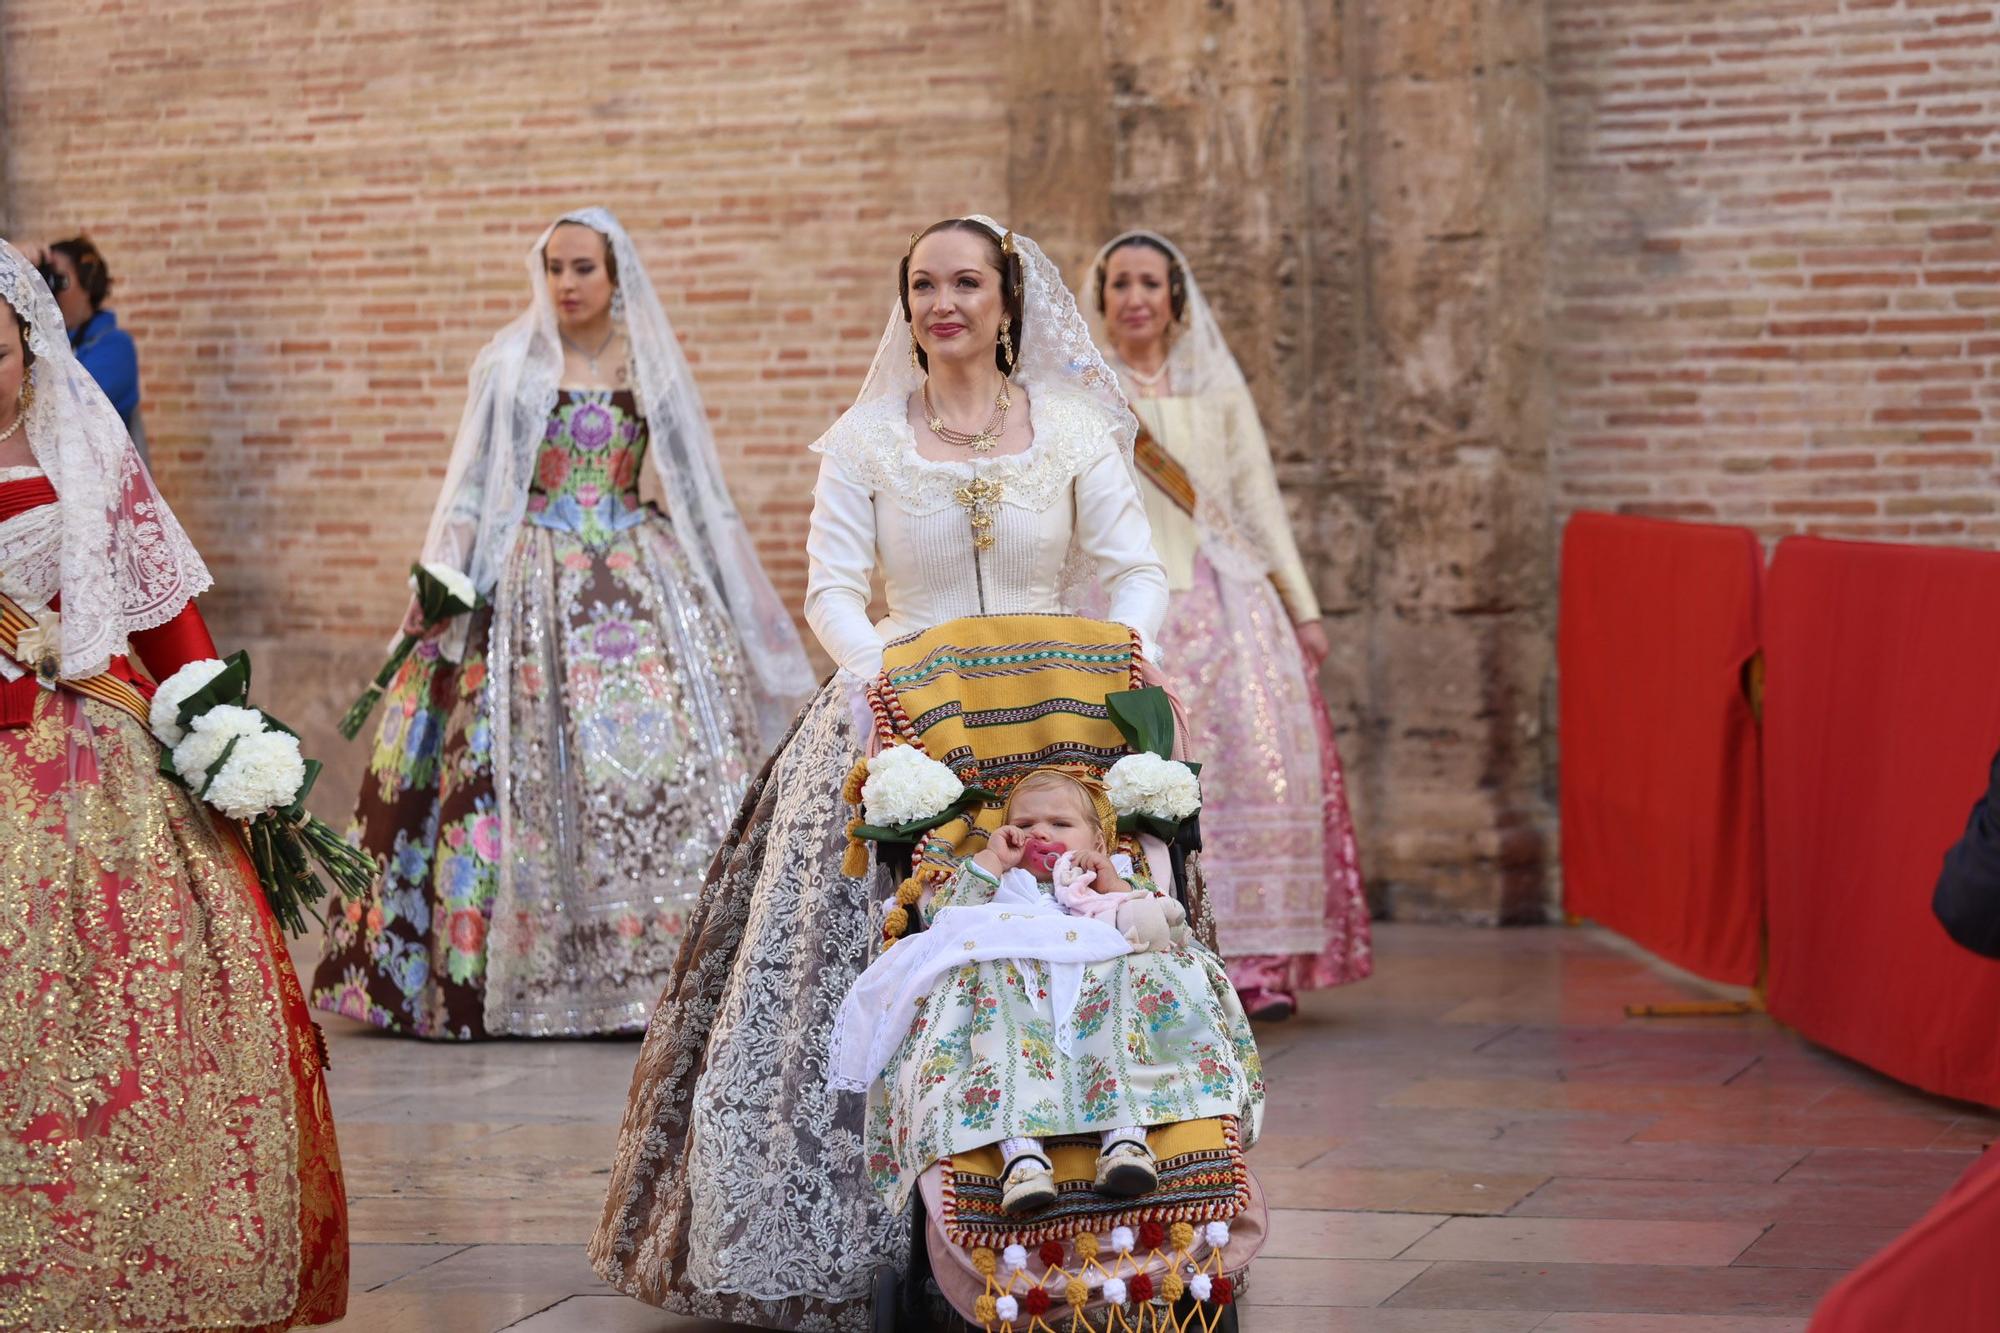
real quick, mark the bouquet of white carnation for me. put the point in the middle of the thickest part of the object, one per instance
(906, 785)
(247, 765)
(1146, 784)
(1151, 791)
(442, 592)
(232, 760)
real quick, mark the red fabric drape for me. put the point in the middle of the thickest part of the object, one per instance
(1661, 827)
(1938, 1277)
(1881, 713)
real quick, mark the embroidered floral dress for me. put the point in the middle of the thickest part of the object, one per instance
(1158, 1037)
(630, 742)
(167, 1154)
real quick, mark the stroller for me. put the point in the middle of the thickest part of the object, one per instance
(993, 697)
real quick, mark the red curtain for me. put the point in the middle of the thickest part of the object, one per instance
(1881, 714)
(1937, 1277)
(1661, 827)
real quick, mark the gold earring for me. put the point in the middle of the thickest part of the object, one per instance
(1007, 342)
(914, 363)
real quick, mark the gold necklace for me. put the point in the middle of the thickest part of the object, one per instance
(988, 436)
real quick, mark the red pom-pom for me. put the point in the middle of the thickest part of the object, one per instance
(1140, 1288)
(1152, 1236)
(1052, 1253)
(1036, 1302)
(1222, 1291)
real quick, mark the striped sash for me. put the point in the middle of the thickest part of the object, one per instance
(1164, 471)
(103, 687)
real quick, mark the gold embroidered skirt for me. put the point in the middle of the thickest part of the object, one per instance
(167, 1157)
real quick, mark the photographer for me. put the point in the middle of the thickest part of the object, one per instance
(81, 280)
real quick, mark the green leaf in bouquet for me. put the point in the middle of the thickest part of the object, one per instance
(1166, 830)
(230, 686)
(1145, 718)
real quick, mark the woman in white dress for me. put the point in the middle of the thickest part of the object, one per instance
(1283, 880)
(984, 468)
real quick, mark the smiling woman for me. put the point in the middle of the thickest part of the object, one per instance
(553, 770)
(984, 467)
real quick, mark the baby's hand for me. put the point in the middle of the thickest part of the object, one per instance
(1097, 863)
(1003, 850)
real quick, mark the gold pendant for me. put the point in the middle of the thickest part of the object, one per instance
(980, 498)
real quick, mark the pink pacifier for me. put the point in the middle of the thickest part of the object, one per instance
(1039, 857)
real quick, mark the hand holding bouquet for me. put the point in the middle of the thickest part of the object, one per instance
(441, 593)
(247, 765)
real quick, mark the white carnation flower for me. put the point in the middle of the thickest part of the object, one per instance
(455, 582)
(904, 785)
(264, 772)
(173, 692)
(1145, 784)
(208, 735)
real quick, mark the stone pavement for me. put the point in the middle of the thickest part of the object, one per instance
(1475, 1141)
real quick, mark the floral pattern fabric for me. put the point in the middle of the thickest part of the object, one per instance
(537, 868)
(1160, 1037)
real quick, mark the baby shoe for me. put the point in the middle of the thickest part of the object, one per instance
(1126, 1168)
(1027, 1183)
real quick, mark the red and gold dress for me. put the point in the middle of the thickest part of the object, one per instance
(167, 1155)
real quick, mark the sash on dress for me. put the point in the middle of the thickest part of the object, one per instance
(1165, 472)
(42, 663)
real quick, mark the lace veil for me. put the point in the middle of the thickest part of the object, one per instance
(1203, 376)
(125, 563)
(514, 386)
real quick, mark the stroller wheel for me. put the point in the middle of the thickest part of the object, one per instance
(887, 1308)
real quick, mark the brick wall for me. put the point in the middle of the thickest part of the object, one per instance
(1486, 261)
(1777, 278)
(318, 213)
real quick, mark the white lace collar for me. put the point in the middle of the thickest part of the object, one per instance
(876, 445)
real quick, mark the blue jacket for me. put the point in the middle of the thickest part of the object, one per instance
(108, 353)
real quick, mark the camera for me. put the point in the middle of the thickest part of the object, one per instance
(57, 282)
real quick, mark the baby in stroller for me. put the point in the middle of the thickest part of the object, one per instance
(1053, 993)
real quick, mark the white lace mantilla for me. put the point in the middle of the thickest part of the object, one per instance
(126, 564)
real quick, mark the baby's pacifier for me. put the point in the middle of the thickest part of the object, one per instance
(1040, 855)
